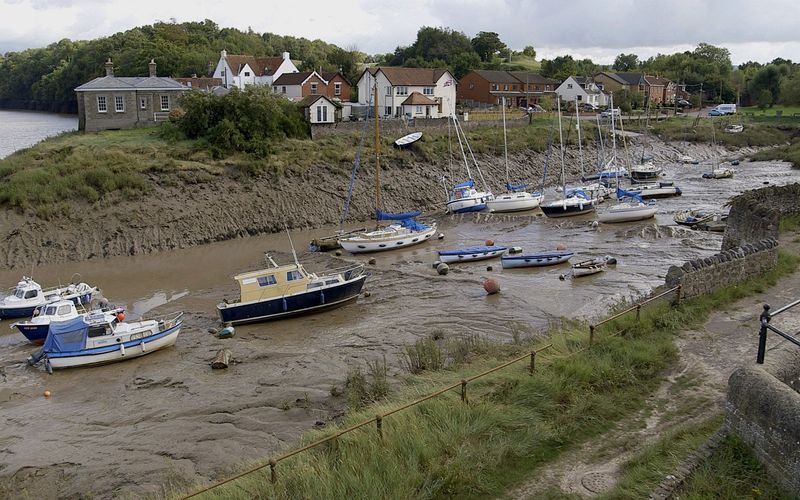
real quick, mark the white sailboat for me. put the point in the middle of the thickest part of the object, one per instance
(597, 190)
(572, 202)
(404, 231)
(516, 199)
(646, 169)
(464, 197)
(717, 171)
(630, 206)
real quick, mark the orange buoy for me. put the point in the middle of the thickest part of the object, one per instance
(121, 316)
(489, 243)
(491, 286)
(47, 394)
(561, 246)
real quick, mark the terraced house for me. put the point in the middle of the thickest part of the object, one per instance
(659, 90)
(120, 102)
(297, 86)
(483, 88)
(241, 70)
(409, 92)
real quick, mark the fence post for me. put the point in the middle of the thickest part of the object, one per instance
(273, 476)
(379, 425)
(533, 362)
(678, 298)
(638, 311)
(464, 391)
(591, 334)
(762, 335)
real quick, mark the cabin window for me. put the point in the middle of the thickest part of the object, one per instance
(267, 280)
(102, 106)
(64, 310)
(31, 294)
(294, 275)
(49, 311)
(427, 91)
(315, 284)
(337, 88)
(164, 103)
(96, 331)
(331, 282)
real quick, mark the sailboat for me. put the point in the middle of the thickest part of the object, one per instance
(597, 190)
(573, 202)
(646, 169)
(463, 197)
(717, 171)
(516, 199)
(630, 206)
(404, 231)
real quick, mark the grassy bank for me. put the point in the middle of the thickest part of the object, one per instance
(513, 422)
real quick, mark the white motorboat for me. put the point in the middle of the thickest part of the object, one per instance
(646, 171)
(99, 338)
(687, 160)
(471, 253)
(656, 190)
(36, 328)
(28, 295)
(408, 140)
(627, 211)
(719, 173)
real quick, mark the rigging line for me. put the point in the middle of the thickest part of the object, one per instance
(356, 164)
(474, 161)
(460, 145)
(550, 136)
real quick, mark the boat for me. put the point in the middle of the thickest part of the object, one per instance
(36, 328)
(471, 253)
(599, 189)
(694, 218)
(99, 338)
(655, 190)
(281, 291)
(404, 230)
(535, 260)
(573, 202)
(734, 128)
(407, 140)
(464, 197)
(589, 267)
(686, 159)
(516, 199)
(717, 170)
(646, 169)
(28, 295)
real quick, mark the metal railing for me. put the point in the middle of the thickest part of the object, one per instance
(765, 318)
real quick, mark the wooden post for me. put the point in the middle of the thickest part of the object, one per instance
(591, 334)
(379, 425)
(680, 292)
(638, 312)
(762, 335)
(464, 391)
(533, 362)
(273, 476)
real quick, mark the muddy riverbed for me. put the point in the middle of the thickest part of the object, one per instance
(131, 427)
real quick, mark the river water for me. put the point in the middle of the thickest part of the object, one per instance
(128, 427)
(22, 129)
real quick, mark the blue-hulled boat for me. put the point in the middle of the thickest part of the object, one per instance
(28, 295)
(281, 291)
(36, 328)
(471, 253)
(535, 260)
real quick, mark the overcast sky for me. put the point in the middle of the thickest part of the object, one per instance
(750, 29)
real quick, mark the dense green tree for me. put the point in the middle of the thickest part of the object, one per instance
(790, 90)
(529, 51)
(764, 99)
(767, 78)
(626, 62)
(487, 44)
(559, 68)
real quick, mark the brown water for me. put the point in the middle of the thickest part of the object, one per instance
(22, 129)
(129, 427)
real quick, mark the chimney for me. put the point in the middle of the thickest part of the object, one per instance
(109, 67)
(285, 56)
(223, 53)
(152, 67)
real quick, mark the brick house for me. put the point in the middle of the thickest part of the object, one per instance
(397, 86)
(242, 70)
(487, 88)
(658, 90)
(113, 102)
(297, 86)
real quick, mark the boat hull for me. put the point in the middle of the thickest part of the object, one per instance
(103, 355)
(308, 302)
(627, 214)
(535, 260)
(364, 245)
(468, 256)
(579, 272)
(514, 202)
(567, 209)
(34, 333)
(657, 192)
(466, 205)
(27, 311)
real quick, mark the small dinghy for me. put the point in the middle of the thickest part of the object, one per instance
(720, 173)
(535, 260)
(686, 159)
(700, 219)
(656, 190)
(36, 328)
(28, 295)
(590, 266)
(99, 338)
(471, 254)
(407, 140)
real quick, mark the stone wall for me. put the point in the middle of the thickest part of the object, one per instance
(729, 267)
(755, 215)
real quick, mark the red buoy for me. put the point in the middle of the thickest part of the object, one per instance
(121, 316)
(489, 243)
(561, 246)
(491, 286)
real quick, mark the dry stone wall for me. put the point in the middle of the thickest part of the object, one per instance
(755, 215)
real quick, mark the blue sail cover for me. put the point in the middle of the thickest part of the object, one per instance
(580, 193)
(621, 193)
(466, 184)
(66, 336)
(381, 215)
(413, 225)
(515, 187)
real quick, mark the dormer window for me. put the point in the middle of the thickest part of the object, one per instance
(313, 89)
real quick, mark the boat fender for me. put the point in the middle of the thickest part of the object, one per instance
(561, 246)
(436, 263)
(489, 243)
(515, 250)
(144, 348)
(322, 297)
(492, 286)
(122, 350)
(610, 260)
(285, 305)
(226, 332)
(441, 236)
(442, 269)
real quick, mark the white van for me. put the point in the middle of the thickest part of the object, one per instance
(725, 109)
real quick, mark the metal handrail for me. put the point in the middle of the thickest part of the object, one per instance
(764, 319)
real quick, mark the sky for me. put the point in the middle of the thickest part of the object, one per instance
(600, 30)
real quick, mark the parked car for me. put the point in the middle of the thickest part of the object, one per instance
(609, 112)
(724, 109)
(715, 112)
(587, 106)
(683, 103)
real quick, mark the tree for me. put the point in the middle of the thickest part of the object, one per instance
(790, 90)
(767, 78)
(764, 99)
(487, 44)
(559, 68)
(626, 62)
(529, 51)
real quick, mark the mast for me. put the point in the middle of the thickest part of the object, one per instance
(613, 133)
(377, 150)
(578, 124)
(561, 147)
(505, 141)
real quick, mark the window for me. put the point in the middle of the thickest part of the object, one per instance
(388, 111)
(101, 104)
(51, 310)
(388, 90)
(429, 90)
(31, 294)
(402, 90)
(164, 103)
(267, 280)
(322, 113)
(275, 88)
(313, 89)
(495, 87)
(569, 85)
(579, 97)
(505, 87)
(294, 275)
(419, 110)
(246, 73)
(283, 89)
(337, 88)
(119, 104)
(64, 310)
(142, 103)
(471, 85)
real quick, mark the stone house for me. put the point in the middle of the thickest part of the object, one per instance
(114, 102)
(242, 70)
(297, 86)
(582, 89)
(397, 86)
(487, 88)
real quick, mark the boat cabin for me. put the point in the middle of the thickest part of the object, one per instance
(56, 311)
(27, 289)
(274, 281)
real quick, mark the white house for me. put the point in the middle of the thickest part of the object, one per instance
(584, 89)
(318, 109)
(240, 71)
(409, 92)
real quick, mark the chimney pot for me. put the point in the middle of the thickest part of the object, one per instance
(152, 67)
(109, 67)
(223, 53)
(285, 56)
